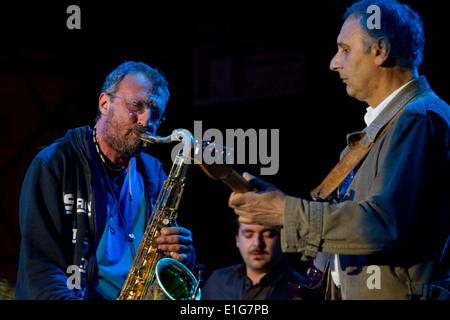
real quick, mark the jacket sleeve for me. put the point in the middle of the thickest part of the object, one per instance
(396, 203)
(42, 265)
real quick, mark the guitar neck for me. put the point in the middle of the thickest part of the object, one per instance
(221, 171)
(228, 176)
(237, 183)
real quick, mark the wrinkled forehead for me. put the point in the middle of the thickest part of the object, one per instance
(351, 31)
(136, 83)
(138, 86)
(255, 228)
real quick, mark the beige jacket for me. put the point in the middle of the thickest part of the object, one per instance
(391, 231)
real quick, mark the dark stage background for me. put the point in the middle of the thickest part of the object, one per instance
(249, 65)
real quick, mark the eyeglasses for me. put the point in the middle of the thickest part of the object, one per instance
(139, 107)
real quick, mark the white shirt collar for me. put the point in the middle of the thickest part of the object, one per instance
(372, 113)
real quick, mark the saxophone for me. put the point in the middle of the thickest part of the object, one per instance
(153, 276)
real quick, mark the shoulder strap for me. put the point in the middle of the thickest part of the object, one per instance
(347, 164)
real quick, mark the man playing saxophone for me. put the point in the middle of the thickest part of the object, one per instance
(86, 198)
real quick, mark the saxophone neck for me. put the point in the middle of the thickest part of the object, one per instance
(153, 138)
(180, 135)
(186, 137)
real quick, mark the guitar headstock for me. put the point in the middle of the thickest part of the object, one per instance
(219, 165)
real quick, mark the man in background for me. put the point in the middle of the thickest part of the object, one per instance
(264, 273)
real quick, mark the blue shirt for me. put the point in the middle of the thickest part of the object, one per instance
(116, 217)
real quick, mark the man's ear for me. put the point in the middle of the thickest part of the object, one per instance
(381, 49)
(103, 103)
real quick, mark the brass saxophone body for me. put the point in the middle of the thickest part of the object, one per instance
(153, 276)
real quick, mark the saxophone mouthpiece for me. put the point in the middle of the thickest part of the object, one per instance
(148, 137)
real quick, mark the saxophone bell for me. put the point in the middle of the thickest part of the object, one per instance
(174, 281)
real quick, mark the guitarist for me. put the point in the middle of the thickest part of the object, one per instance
(387, 235)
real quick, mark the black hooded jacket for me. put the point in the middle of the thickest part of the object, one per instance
(57, 218)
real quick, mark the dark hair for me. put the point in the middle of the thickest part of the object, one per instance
(400, 26)
(112, 81)
(236, 225)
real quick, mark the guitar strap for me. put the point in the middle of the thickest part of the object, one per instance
(418, 88)
(347, 164)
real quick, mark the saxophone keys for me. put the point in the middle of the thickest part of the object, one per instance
(137, 289)
(166, 222)
(142, 273)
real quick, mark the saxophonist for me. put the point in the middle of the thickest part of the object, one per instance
(86, 198)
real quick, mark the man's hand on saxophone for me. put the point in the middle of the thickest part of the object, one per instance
(175, 242)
